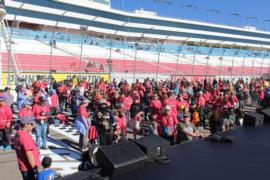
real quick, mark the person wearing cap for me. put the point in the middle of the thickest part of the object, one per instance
(5, 125)
(82, 124)
(26, 110)
(121, 123)
(26, 149)
(169, 123)
(41, 112)
(186, 130)
(104, 120)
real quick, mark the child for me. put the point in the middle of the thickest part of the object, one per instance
(47, 173)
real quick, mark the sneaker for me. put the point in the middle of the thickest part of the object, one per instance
(7, 148)
(2, 148)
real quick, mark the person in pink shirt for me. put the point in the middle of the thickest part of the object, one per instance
(172, 102)
(182, 103)
(201, 102)
(121, 124)
(155, 107)
(5, 125)
(54, 103)
(26, 149)
(26, 110)
(128, 100)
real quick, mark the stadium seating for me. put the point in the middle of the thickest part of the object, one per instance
(72, 52)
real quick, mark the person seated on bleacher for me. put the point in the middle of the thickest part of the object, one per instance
(186, 130)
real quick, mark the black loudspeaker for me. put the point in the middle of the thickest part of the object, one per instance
(266, 114)
(153, 146)
(120, 158)
(253, 119)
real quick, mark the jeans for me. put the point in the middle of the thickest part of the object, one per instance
(41, 135)
(28, 175)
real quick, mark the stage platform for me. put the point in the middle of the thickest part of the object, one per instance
(248, 157)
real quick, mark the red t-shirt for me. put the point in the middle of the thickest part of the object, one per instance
(128, 102)
(23, 143)
(54, 99)
(169, 120)
(5, 116)
(37, 109)
(121, 124)
(156, 105)
(83, 112)
(25, 112)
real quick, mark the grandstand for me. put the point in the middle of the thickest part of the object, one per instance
(90, 37)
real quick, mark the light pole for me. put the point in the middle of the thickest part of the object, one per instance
(161, 2)
(265, 21)
(236, 15)
(264, 57)
(234, 55)
(243, 64)
(194, 57)
(212, 11)
(250, 17)
(192, 7)
(221, 60)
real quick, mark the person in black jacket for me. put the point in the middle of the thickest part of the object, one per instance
(104, 122)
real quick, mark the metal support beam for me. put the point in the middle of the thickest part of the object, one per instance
(221, 60)
(243, 64)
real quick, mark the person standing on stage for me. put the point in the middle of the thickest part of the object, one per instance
(26, 149)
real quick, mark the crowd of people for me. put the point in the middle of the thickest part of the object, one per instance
(105, 112)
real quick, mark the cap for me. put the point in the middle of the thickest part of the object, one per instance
(187, 114)
(102, 101)
(28, 120)
(2, 98)
(53, 91)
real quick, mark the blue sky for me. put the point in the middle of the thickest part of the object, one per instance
(245, 8)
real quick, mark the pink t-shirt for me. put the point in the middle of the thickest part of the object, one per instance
(23, 143)
(128, 102)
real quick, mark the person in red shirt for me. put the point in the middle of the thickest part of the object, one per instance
(5, 125)
(127, 105)
(182, 103)
(169, 122)
(121, 124)
(53, 102)
(26, 149)
(201, 102)
(41, 112)
(26, 110)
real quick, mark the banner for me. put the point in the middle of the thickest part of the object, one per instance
(30, 77)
